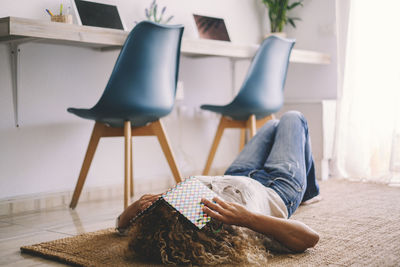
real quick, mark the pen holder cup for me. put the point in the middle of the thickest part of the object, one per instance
(62, 18)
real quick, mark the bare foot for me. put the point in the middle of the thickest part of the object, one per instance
(312, 200)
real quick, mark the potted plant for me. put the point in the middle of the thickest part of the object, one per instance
(278, 14)
(151, 14)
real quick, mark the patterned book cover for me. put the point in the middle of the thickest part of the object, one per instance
(186, 197)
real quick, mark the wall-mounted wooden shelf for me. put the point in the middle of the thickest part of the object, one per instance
(13, 29)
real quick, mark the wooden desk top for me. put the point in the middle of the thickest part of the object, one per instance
(14, 29)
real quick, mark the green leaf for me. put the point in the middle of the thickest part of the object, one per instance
(291, 22)
(277, 12)
(293, 5)
(294, 18)
(155, 13)
(169, 19)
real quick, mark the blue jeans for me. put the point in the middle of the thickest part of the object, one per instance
(279, 156)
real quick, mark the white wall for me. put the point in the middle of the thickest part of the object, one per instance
(316, 31)
(46, 152)
(309, 88)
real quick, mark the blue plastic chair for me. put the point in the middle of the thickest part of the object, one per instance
(260, 96)
(140, 91)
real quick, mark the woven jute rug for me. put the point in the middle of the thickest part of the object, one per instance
(358, 223)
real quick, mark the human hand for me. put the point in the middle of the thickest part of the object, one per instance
(144, 202)
(227, 212)
(136, 207)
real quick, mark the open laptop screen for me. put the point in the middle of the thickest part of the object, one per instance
(211, 28)
(98, 15)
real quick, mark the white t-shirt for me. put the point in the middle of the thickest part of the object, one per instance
(251, 194)
(247, 192)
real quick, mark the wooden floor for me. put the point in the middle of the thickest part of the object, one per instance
(46, 225)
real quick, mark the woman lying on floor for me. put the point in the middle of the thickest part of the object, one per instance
(262, 188)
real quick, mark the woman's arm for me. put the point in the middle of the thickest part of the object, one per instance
(138, 206)
(293, 234)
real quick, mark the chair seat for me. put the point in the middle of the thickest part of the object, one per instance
(261, 93)
(239, 112)
(117, 118)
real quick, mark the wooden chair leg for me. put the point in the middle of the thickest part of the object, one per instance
(94, 141)
(159, 131)
(128, 161)
(251, 124)
(261, 122)
(242, 140)
(214, 146)
(131, 184)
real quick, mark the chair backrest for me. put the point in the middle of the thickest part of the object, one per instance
(145, 74)
(263, 86)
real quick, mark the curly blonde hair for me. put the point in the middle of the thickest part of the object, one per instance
(164, 236)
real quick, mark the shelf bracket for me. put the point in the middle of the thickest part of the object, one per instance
(233, 62)
(14, 62)
(233, 76)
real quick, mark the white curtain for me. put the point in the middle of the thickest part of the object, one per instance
(367, 139)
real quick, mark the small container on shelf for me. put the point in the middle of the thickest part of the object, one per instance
(62, 18)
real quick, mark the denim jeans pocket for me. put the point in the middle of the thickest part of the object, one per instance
(290, 192)
(290, 183)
